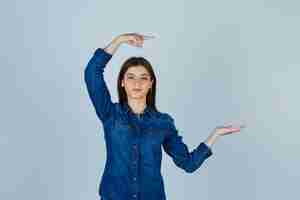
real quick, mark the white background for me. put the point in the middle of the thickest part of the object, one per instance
(216, 62)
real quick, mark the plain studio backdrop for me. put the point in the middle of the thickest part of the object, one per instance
(216, 62)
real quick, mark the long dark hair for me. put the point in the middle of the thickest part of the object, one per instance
(131, 62)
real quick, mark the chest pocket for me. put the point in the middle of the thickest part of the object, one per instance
(123, 125)
(121, 132)
(154, 135)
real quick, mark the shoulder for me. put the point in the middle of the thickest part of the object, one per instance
(165, 117)
(166, 121)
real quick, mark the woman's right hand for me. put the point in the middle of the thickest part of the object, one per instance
(134, 39)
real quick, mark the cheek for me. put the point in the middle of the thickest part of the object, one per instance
(147, 87)
(128, 88)
(127, 85)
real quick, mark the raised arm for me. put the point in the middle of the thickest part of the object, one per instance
(96, 86)
(94, 79)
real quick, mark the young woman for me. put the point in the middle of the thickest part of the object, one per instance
(135, 131)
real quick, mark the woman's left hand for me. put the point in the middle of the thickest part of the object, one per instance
(221, 131)
(228, 129)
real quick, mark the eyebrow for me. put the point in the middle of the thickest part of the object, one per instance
(144, 74)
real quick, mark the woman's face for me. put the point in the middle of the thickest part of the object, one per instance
(137, 82)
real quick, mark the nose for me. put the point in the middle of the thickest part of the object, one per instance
(137, 85)
(137, 82)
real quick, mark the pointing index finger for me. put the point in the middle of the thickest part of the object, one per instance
(147, 37)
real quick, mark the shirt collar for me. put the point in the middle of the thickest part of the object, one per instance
(147, 110)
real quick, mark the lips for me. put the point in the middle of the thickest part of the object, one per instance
(137, 90)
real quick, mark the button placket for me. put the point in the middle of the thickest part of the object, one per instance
(135, 158)
(135, 161)
(135, 152)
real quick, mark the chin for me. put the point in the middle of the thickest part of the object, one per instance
(137, 96)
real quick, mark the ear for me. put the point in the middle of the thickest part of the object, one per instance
(122, 83)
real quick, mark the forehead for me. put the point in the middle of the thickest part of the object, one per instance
(138, 70)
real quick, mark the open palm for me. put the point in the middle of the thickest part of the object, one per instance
(229, 129)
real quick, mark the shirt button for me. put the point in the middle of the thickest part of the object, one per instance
(134, 195)
(135, 146)
(135, 162)
(134, 178)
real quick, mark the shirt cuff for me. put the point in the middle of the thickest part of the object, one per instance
(103, 54)
(207, 149)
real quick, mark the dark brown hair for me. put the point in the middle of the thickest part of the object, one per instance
(132, 62)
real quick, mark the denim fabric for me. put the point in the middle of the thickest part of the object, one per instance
(134, 142)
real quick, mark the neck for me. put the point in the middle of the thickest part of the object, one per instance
(138, 106)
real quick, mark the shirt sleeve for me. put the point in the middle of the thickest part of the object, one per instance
(175, 147)
(96, 86)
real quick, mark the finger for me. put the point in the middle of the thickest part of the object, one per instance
(136, 36)
(233, 129)
(148, 37)
(226, 126)
(132, 39)
(238, 126)
(228, 133)
(133, 42)
(137, 42)
(138, 39)
(141, 41)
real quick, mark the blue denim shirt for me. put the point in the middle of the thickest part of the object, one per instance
(134, 142)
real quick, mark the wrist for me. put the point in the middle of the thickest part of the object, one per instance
(112, 47)
(211, 139)
(118, 40)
